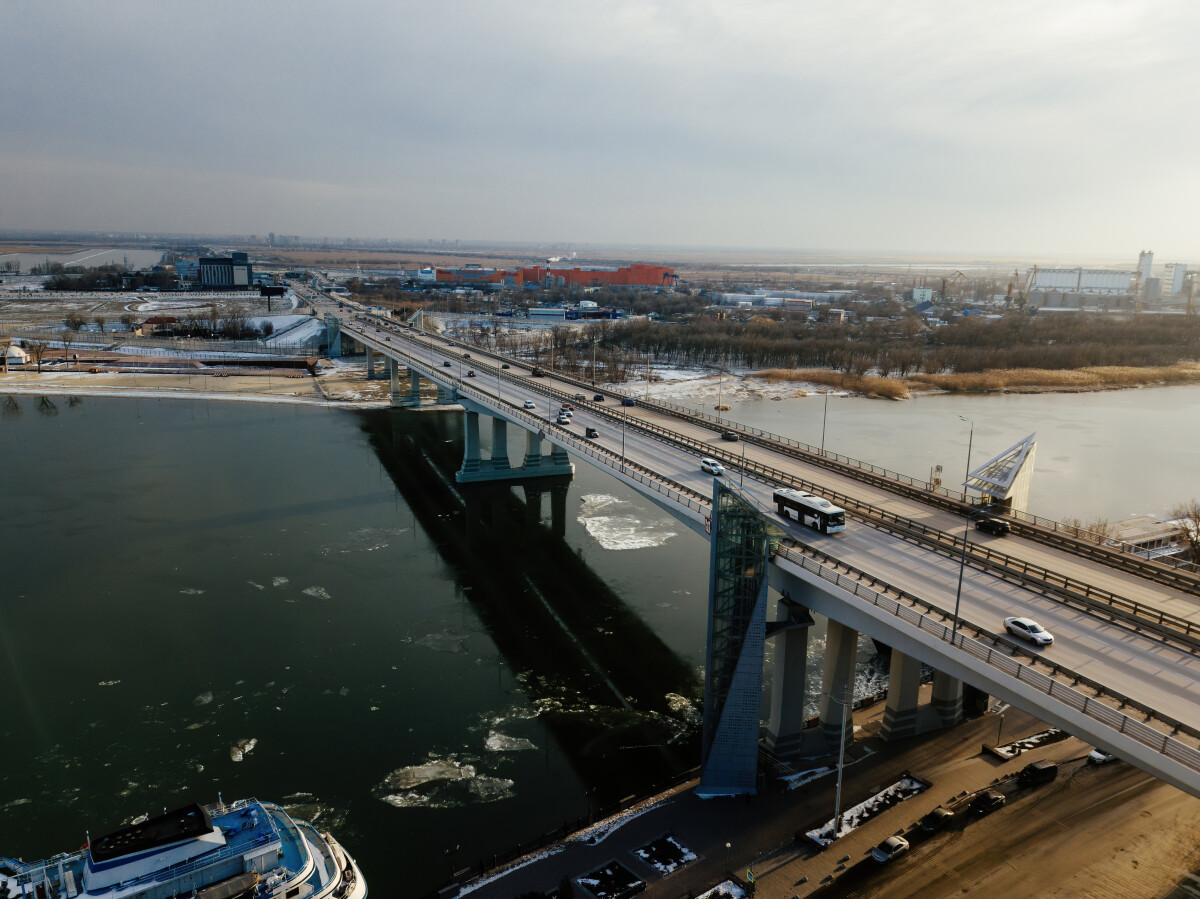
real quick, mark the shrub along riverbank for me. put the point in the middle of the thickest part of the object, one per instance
(1017, 380)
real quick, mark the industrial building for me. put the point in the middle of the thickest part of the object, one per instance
(550, 275)
(232, 272)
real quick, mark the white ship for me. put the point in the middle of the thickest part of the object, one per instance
(247, 849)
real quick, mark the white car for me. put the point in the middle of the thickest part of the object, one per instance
(530, 404)
(1100, 757)
(712, 466)
(1027, 629)
(564, 419)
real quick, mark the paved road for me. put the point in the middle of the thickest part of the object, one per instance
(1125, 661)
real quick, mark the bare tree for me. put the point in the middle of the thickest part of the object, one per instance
(75, 320)
(37, 349)
(1188, 515)
(67, 339)
(100, 321)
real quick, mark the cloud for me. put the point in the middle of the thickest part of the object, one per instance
(923, 125)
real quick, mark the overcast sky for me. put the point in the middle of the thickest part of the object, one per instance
(1040, 128)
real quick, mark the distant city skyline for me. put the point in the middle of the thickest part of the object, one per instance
(1022, 131)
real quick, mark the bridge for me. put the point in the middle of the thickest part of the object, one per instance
(1123, 672)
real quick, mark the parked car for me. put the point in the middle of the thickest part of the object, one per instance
(1028, 629)
(530, 404)
(889, 849)
(1037, 773)
(598, 398)
(936, 819)
(1100, 757)
(997, 526)
(470, 373)
(729, 435)
(986, 802)
(591, 432)
(712, 466)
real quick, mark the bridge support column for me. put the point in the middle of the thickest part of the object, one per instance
(841, 654)
(533, 451)
(947, 698)
(785, 731)
(500, 444)
(904, 686)
(470, 461)
(446, 396)
(370, 363)
(558, 509)
(414, 387)
(394, 381)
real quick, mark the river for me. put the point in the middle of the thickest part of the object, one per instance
(204, 597)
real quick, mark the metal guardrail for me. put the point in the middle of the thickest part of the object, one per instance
(673, 490)
(1090, 598)
(855, 582)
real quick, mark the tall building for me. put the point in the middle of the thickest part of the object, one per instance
(1145, 264)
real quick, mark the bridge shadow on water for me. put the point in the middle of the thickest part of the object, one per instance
(607, 685)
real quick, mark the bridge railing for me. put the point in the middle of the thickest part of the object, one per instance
(672, 490)
(985, 647)
(953, 500)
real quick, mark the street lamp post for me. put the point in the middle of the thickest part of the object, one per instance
(837, 803)
(824, 420)
(624, 413)
(962, 562)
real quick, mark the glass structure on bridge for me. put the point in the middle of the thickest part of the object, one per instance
(737, 622)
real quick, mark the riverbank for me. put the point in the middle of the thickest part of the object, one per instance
(1019, 380)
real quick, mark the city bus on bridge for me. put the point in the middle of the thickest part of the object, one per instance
(809, 509)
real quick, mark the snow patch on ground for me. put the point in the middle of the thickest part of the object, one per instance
(860, 814)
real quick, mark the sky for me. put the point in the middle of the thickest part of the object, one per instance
(1043, 128)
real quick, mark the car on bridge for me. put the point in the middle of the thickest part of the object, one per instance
(564, 419)
(729, 435)
(530, 404)
(591, 432)
(1028, 629)
(470, 373)
(997, 526)
(581, 396)
(712, 466)
(446, 363)
(598, 398)
(504, 365)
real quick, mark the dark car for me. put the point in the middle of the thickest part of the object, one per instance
(628, 401)
(466, 355)
(729, 435)
(1037, 773)
(504, 365)
(447, 364)
(598, 398)
(591, 432)
(986, 803)
(470, 374)
(936, 819)
(997, 526)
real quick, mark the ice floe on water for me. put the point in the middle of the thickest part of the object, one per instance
(279, 582)
(242, 748)
(192, 591)
(441, 783)
(256, 586)
(444, 642)
(498, 742)
(318, 592)
(364, 540)
(615, 523)
(203, 699)
(109, 683)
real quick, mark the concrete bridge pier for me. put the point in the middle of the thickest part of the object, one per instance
(558, 509)
(446, 396)
(393, 368)
(470, 463)
(500, 445)
(837, 685)
(947, 698)
(370, 363)
(414, 388)
(785, 732)
(533, 451)
(533, 503)
(903, 698)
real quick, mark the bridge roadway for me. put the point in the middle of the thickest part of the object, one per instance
(1154, 674)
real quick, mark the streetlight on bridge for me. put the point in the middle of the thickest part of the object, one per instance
(962, 562)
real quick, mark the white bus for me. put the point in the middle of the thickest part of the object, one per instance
(810, 509)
